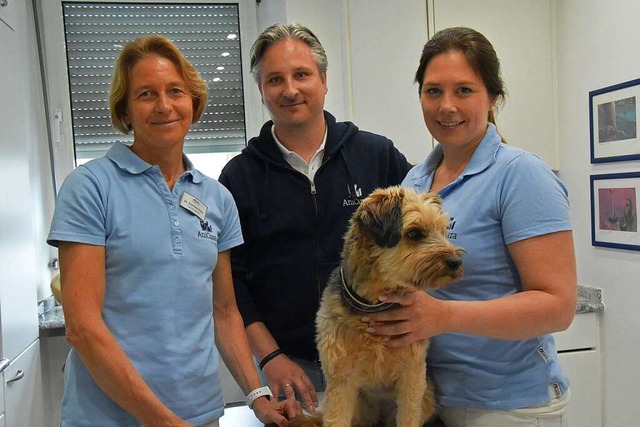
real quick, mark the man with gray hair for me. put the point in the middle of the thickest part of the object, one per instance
(296, 186)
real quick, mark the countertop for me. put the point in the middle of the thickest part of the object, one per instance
(239, 414)
(589, 300)
(235, 416)
(52, 319)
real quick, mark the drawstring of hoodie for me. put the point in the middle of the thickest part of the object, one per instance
(351, 186)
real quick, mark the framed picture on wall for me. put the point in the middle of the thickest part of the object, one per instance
(614, 116)
(614, 210)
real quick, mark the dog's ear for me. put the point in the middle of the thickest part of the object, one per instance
(381, 216)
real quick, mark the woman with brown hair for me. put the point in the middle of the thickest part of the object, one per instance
(492, 357)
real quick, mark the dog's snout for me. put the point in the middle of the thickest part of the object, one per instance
(453, 263)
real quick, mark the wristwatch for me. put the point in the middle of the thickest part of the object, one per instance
(259, 392)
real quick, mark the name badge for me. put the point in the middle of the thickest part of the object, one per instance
(193, 205)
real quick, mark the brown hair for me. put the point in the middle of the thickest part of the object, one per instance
(477, 50)
(141, 48)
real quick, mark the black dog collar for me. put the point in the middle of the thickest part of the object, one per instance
(357, 302)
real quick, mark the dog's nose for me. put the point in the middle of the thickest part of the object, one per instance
(453, 263)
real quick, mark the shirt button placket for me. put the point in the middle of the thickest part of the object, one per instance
(175, 229)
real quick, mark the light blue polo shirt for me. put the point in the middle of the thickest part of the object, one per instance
(159, 263)
(503, 196)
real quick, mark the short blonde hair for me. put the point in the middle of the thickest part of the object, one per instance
(141, 48)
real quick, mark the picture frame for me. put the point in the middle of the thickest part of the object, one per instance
(614, 119)
(614, 210)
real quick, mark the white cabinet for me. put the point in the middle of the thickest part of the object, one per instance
(7, 13)
(2, 392)
(18, 299)
(583, 370)
(582, 334)
(579, 353)
(53, 351)
(23, 389)
(21, 380)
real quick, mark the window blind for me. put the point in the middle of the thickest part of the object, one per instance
(207, 34)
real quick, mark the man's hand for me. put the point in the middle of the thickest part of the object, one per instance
(276, 412)
(285, 375)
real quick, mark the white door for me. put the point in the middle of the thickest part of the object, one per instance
(583, 370)
(18, 300)
(24, 405)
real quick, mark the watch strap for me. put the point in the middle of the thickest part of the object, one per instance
(259, 392)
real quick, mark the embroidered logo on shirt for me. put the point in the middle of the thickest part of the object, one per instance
(450, 234)
(206, 232)
(354, 196)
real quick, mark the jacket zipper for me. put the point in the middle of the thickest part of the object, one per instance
(317, 220)
(318, 231)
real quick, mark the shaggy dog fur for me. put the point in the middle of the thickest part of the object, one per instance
(396, 242)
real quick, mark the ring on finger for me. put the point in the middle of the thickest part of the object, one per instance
(287, 385)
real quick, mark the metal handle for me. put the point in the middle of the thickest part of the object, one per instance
(57, 127)
(18, 377)
(4, 364)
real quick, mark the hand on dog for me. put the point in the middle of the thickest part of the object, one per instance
(276, 412)
(284, 374)
(420, 316)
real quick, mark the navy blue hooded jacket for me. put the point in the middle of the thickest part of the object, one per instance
(293, 232)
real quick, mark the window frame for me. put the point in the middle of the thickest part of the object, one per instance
(56, 76)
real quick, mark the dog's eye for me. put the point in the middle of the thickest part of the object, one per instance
(415, 234)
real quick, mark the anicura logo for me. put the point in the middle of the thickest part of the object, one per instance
(354, 196)
(207, 230)
(355, 192)
(452, 223)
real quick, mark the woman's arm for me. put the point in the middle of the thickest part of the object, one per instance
(82, 274)
(232, 342)
(547, 268)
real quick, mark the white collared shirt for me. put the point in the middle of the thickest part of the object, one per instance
(297, 162)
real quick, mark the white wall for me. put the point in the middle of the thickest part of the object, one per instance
(598, 47)
(384, 43)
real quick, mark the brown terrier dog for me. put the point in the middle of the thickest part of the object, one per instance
(396, 242)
